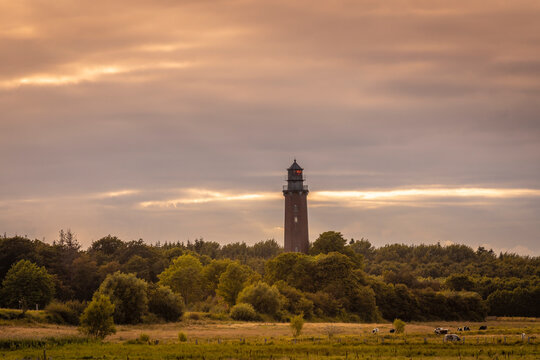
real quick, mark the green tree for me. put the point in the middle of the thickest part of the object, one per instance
(105, 249)
(266, 249)
(296, 269)
(138, 266)
(264, 298)
(85, 277)
(15, 249)
(363, 247)
(232, 281)
(327, 242)
(97, 319)
(212, 272)
(129, 296)
(165, 303)
(184, 276)
(459, 282)
(27, 284)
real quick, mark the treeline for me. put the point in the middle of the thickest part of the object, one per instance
(346, 280)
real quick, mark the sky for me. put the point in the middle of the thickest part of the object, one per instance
(415, 121)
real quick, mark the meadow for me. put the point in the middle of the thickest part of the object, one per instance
(239, 340)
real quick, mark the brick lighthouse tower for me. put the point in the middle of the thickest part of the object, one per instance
(296, 221)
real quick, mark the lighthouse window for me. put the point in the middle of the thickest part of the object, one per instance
(298, 172)
(296, 219)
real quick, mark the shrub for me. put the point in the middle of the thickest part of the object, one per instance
(399, 325)
(294, 301)
(297, 323)
(182, 337)
(151, 318)
(164, 303)
(144, 338)
(129, 296)
(65, 313)
(193, 316)
(97, 319)
(243, 312)
(264, 298)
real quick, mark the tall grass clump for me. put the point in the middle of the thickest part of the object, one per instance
(182, 337)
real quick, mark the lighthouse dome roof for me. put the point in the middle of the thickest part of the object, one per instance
(295, 166)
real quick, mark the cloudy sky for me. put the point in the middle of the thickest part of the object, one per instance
(416, 121)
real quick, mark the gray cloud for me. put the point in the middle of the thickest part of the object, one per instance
(222, 94)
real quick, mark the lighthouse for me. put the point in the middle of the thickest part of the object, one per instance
(296, 218)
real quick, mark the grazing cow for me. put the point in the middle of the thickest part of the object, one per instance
(451, 337)
(392, 331)
(483, 327)
(459, 329)
(375, 331)
(441, 331)
(466, 328)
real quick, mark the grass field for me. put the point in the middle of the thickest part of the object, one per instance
(232, 340)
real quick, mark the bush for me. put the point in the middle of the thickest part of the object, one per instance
(297, 323)
(97, 319)
(264, 298)
(164, 303)
(399, 325)
(129, 296)
(294, 301)
(243, 312)
(144, 338)
(65, 313)
(182, 337)
(193, 315)
(10, 314)
(151, 318)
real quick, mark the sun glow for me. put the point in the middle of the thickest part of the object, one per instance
(200, 196)
(416, 196)
(419, 194)
(118, 193)
(89, 73)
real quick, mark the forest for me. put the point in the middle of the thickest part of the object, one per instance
(340, 280)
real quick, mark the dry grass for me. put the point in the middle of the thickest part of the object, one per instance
(234, 330)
